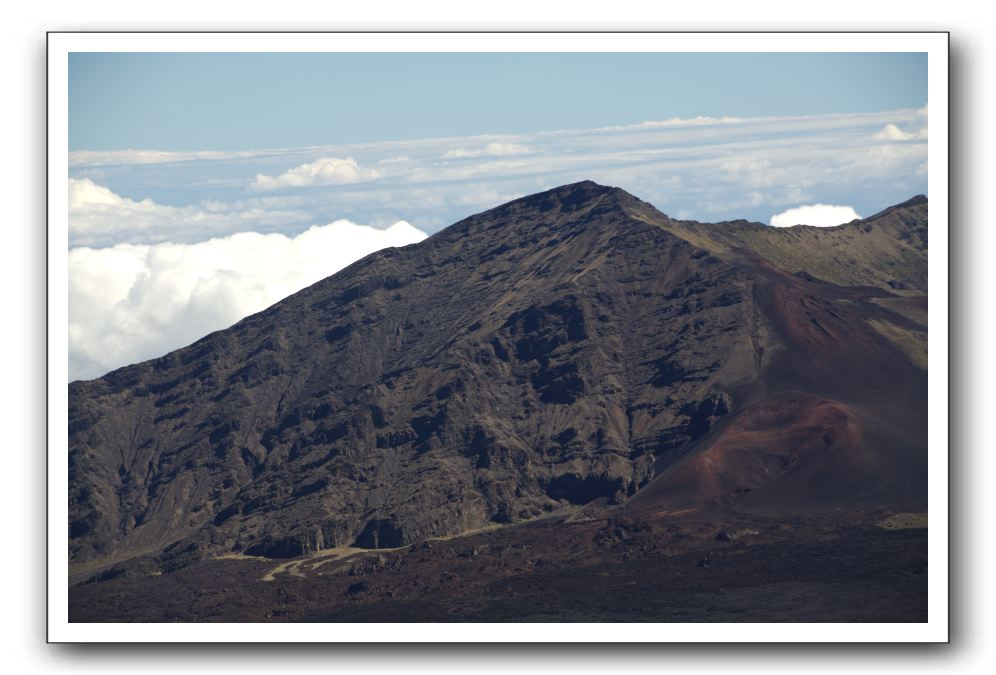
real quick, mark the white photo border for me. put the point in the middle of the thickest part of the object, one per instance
(61, 44)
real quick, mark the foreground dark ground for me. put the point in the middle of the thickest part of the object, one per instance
(656, 567)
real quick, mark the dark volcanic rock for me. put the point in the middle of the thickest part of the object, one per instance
(560, 349)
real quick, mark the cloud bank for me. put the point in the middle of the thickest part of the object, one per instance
(132, 302)
(706, 168)
(818, 215)
(100, 217)
(492, 149)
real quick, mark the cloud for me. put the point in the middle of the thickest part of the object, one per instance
(100, 217)
(818, 215)
(716, 169)
(679, 122)
(494, 149)
(95, 209)
(323, 171)
(890, 132)
(132, 302)
(80, 158)
(913, 128)
(84, 193)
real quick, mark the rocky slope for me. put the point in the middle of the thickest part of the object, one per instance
(570, 347)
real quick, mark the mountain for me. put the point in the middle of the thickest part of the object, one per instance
(569, 351)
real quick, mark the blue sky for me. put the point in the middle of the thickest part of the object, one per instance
(204, 187)
(199, 101)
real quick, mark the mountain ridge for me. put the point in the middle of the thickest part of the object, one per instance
(535, 357)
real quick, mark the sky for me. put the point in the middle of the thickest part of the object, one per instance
(246, 101)
(204, 187)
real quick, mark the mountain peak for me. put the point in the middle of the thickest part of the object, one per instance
(580, 188)
(572, 196)
(570, 206)
(913, 201)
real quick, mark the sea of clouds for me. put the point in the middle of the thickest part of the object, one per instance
(166, 247)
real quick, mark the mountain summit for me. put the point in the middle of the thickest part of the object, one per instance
(574, 347)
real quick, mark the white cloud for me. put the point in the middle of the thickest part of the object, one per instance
(494, 149)
(78, 158)
(98, 216)
(819, 215)
(681, 122)
(84, 193)
(132, 302)
(893, 159)
(890, 132)
(913, 128)
(725, 168)
(323, 171)
(95, 209)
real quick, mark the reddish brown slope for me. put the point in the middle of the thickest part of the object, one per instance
(837, 415)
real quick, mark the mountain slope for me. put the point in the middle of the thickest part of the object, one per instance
(568, 347)
(887, 250)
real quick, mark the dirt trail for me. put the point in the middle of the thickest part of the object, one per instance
(904, 521)
(311, 562)
(296, 566)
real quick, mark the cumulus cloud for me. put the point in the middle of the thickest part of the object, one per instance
(494, 149)
(890, 132)
(913, 128)
(132, 302)
(84, 193)
(98, 216)
(323, 171)
(95, 209)
(819, 215)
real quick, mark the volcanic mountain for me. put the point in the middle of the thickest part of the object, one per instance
(568, 349)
